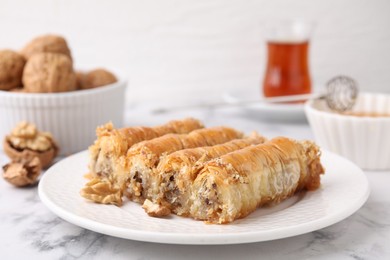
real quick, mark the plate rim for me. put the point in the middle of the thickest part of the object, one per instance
(273, 112)
(223, 238)
(230, 97)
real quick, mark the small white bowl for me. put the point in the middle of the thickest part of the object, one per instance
(71, 117)
(363, 140)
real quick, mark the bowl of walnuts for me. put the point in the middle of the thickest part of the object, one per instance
(39, 84)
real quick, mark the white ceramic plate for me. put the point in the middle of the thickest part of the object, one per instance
(276, 112)
(344, 190)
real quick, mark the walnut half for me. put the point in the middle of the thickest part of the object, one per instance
(155, 210)
(26, 142)
(22, 173)
(102, 191)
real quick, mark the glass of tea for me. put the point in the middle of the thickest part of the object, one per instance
(287, 70)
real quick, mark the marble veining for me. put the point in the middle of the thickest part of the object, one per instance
(29, 230)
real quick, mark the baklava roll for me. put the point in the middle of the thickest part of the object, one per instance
(144, 157)
(178, 170)
(112, 143)
(234, 185)
(108, 153)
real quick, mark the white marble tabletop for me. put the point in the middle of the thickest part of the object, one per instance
(28, 230)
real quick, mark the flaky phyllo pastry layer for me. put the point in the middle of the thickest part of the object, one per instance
(144, 157)
(213, 174)
(178, 171)
(235, 184)
(108, 154)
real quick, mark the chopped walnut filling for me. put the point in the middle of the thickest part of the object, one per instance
(22, 173)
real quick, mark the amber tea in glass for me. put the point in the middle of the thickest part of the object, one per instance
(287, 70)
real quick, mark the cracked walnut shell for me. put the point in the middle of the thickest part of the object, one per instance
(22, 173)
(26, 142)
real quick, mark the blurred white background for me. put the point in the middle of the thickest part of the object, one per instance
(196, 50)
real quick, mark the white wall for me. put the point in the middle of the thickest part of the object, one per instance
(198, 49)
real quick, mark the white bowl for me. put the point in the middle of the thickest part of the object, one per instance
(71, 117)
(363, 140)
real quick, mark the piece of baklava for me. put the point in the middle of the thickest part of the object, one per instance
(178, 170)
(234, 185)
(144, 157)
(108, 153)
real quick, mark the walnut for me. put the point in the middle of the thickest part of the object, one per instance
(23, 172)
(26, 142)
(11, 69)
(155, 210)
(102, 191)
(95, 78)
(46, 43)
(17, 90)
(49, 72)
(81, 80)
